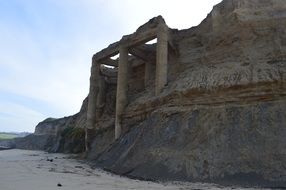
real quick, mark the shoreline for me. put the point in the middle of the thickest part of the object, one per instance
(27, 169)
(5, 148)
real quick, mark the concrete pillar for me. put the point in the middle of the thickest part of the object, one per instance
(121, 96)
(161, 58)
(91, 108)
(100, 101)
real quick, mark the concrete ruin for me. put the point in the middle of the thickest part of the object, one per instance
(133, 53)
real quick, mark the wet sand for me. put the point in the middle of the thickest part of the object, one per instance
(37, 170)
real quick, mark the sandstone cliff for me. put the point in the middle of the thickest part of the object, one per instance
(222, 116)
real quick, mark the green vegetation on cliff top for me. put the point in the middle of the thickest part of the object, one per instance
(7, 136)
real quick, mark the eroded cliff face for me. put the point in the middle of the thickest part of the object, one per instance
(222, 116)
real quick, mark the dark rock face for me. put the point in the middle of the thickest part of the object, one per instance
(35, 142)
(242, 144)
(6, 144)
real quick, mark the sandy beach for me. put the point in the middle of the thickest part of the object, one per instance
(37, 170)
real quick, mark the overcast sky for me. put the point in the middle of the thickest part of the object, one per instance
(46, 48)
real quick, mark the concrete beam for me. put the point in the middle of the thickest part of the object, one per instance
(143, 34)
(138, 38)
(141, 53)
(110, 62)
(127, 41)
(108, 52)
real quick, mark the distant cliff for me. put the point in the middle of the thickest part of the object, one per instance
(57, 135)
(222, 116)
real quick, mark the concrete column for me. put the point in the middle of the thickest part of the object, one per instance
(100, 101)
(91, 108)
(161, 58)
(121, 96)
